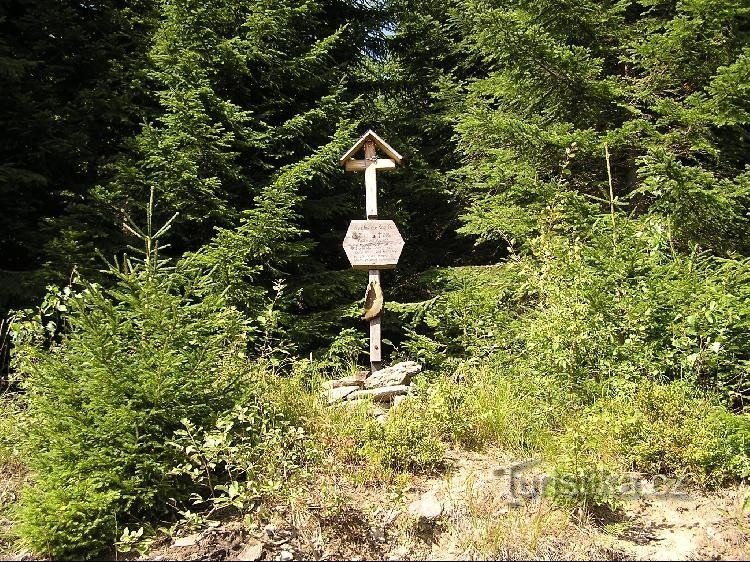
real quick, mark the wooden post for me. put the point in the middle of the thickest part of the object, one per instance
(371, 181)
(371, 206)
(375, 346)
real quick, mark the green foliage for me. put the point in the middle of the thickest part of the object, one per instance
(478, 406)
(12, 420)
(495, 404)
(267, 242)
(203, 101)
(583, 313)
(467, 317)
(595, 154)
(58, 130)
(662, 429)
(136, 362)
(407, 440)
(651, 429)
(248, 454)
(341, 356)
(134, 540)
(76, 513)
(243, 89)
(579, 480)
(12, 466)
(621, 105)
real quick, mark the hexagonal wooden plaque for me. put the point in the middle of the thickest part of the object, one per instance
(373, 244)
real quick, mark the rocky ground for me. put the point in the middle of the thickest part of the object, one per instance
(484, 506)
(474, 511)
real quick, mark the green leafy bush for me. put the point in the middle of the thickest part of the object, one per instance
(407, 440)
(249, 453)
(135, 365)
(467, 318)
(665, 429)
(586, 311)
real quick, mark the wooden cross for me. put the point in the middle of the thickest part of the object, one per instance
(372, 244)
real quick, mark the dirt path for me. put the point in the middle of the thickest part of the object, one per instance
(687, 526)
(487, 507)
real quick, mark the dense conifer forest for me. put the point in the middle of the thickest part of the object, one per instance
(175, 301)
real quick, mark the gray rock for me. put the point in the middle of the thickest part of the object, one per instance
(285, 556)
(379, 394)
(398, 399)
(252, 551)
(398, 374)
(338, 394)
(357, 380)
(190, 540)
(427, 507)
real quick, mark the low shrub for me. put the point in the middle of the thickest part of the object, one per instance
(585, 310)
(248, 454)
(674, 429)
(146, 378)
(579, 478)
(653, 429)
(407, 440)
(493, 403)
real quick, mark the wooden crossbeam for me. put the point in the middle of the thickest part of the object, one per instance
(361, 165)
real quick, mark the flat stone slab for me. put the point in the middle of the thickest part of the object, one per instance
(398, 399)
(356, 380)
(379, 394)
(398, 374)
(339, 393)
(251, 552)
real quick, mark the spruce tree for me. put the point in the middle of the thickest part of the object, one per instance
(244, 88)
(417, 78)
(568, 89)
(254, 101)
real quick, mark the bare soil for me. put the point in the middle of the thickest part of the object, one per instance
(492, 508)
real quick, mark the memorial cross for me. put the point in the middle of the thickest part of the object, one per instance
(372, 244)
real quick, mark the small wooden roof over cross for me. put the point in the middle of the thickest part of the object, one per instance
(370, 135)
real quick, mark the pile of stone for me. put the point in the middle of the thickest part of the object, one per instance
(386, 386)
